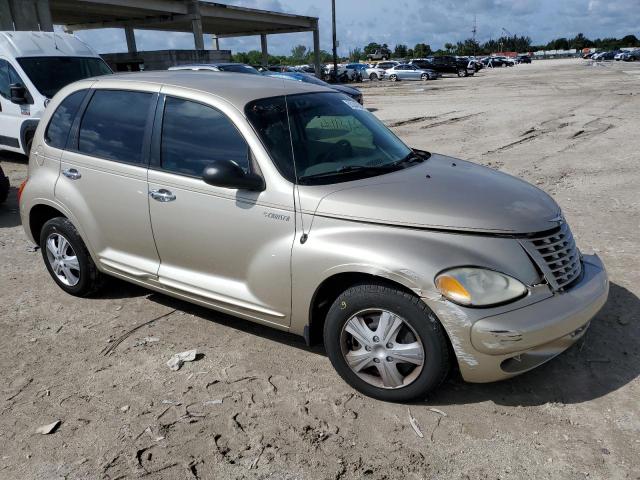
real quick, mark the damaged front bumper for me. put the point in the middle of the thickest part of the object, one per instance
(498, 343)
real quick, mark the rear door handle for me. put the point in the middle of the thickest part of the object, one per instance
(72, 173)
(162, 195)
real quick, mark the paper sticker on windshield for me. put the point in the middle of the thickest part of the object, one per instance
(353, 104)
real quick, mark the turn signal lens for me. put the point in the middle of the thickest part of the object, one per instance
(478, 287)
(452, 289)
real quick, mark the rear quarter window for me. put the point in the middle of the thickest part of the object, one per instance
(58, 129)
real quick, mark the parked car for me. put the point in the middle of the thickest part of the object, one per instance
(448, 64)
(631, 56)
(219, 67)
(406, 71)
(343, 75)
(357, 71)
(287, 204)
(33, 67)
(386, 65)
(4, 186)
(377, 55)
(354, 93)
(602, 56)
(375, 73)
(523, 59)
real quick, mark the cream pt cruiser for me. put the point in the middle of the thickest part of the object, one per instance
(290, 205)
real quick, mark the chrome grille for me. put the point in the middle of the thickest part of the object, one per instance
(557, 256)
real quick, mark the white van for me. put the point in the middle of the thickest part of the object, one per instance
(33, 67)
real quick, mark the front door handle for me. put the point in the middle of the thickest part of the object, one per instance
(72, 173)
(162, 195)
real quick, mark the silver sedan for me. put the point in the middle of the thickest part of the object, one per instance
(405, 71)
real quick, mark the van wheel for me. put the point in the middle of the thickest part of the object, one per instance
(386, 343)
(67, 258)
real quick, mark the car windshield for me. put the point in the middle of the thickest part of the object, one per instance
(50, 74)
(238, 69)
(326, 138)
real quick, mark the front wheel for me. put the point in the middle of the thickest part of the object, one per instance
(462, 72)
(386, 343)
(393, 78)
(67, 258)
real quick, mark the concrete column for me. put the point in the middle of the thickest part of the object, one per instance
(44, 15)
(131, 40)
(316, 51)
(216, 42)
(25, 16)
(196, 24)
(6, 17)
(265, 52)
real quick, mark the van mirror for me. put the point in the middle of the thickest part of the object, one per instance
(18, 94)
(228, 174)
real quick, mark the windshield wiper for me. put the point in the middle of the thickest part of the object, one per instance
(351, 169)
(411, 157)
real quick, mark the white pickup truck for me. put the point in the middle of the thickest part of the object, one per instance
(33, 67)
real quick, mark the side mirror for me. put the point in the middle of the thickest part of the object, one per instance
(228, 174)
(17, 93)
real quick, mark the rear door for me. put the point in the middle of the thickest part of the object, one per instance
(103, 180)
(229, 248)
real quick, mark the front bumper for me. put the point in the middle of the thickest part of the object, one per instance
(497, 344)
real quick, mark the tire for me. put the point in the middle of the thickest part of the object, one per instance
(419, 327)
(373, 77)
(462, 72)
(393, 78)
(425, 76)
(4, 187)
(89, 279)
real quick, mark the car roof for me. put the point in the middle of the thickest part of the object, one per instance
(237, 89)
(43, 44)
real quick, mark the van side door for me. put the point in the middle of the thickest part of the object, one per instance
(103, 180)
(229, 249)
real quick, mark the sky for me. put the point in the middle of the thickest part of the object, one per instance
(409, 22)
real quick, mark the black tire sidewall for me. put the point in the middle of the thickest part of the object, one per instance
(393, 78)
(64, 227)
(415, 312)
(4, 187)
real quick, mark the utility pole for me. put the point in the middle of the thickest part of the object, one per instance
(335, 46)
(474, 31)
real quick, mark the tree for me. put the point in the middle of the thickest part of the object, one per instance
(448, 47)
(372, 48)
(630, 41)
(298, 53)
(400, 51)
(355, 55)
(421, 50)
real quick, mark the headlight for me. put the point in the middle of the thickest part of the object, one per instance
(478, 287)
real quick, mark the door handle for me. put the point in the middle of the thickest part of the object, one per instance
(162, 195)
(72, 173)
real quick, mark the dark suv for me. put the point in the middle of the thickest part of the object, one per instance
(446, 64)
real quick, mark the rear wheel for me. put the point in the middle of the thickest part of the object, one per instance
(386, 343)
(424, 76)
(462, 72)
(4, 187)
(67, 258)
(393, 78)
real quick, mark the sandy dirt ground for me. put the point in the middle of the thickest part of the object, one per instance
(570, 128)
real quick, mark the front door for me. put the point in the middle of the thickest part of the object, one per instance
(230, 249)
(11, 115)
(103, 180)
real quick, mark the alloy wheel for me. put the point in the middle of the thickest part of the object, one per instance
(63, 259)
(382, 348)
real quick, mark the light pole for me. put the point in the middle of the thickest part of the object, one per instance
(335, 47)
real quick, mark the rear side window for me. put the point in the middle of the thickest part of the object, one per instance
(194, 135)
(113, 125)
(60, 124)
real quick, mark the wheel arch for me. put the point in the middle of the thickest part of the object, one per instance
(39, 215)
(331, 287)
(27, 131)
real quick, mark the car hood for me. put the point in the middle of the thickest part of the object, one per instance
(344, 89)
(441, 193)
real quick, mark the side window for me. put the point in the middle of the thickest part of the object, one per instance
(4, 79)
(60, 124)
(113, 125)
(194, 135)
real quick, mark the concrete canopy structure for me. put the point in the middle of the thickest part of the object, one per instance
(196, 16)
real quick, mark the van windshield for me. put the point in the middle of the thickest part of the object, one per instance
(50, 74)
(327, 138)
